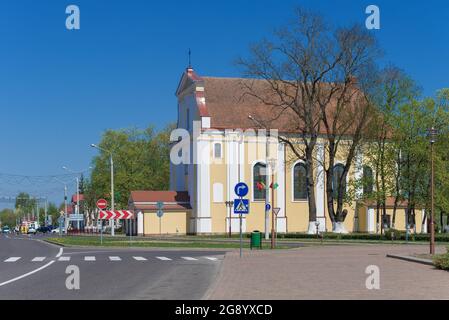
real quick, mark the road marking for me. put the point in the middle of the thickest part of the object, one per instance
(13, 259)
(90, 259)
(115, 259)
(189, 259)
(27, 274)
(60, 253)
(38, 259)
(64, 259)
(140, 259)
(211, 258)
(164, 258)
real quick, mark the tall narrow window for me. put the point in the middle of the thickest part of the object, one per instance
(217, 150)
(259, 181)
(337, 178)
(368, 180)
(299, 182)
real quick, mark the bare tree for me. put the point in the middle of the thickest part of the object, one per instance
(296, 68)
(347, 110)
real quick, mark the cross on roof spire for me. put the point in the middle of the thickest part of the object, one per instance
(190, 61)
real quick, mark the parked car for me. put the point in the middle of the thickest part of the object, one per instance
(31, 230)
(44, 229)
(6, 230)
(56, 230)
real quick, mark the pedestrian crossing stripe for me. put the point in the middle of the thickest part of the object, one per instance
(65, 259)
(189, 259)
(164, 258)
(38, 259)
(12, 259)
(90, 259)
(140, 259)
(115, 259)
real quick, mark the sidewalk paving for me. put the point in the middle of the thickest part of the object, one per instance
(328, 272)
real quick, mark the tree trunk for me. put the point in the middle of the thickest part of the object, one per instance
(310, 180)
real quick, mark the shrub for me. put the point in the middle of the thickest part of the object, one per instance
(441, 261)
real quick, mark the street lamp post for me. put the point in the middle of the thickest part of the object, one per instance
(111, 160)
(432, 135)
(77, 211)
(65, 203)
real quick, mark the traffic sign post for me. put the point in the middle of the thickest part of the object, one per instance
(160, 214)
(241, 206)
(275, 229)
(101, 205)
(114, 215)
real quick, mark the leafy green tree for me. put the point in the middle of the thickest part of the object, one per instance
(24, 203)
(141, 162)
(8, 218)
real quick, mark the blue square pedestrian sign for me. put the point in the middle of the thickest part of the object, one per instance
(241, 206)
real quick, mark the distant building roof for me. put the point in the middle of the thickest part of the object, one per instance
(75, 198)
(147, 200)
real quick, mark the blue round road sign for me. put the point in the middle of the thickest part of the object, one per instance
(268, 207)
(241, 189)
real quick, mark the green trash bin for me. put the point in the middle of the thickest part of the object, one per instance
(256, 240)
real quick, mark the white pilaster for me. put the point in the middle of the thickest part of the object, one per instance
(370, 220)
(140, 223)
(281, 224)
(203, 214)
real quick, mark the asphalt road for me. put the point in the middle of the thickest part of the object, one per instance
(35, 270)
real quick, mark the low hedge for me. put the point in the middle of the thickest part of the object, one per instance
(398, 235)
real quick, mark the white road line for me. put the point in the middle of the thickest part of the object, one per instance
(27, 274)
(189, 259)
(164, 258)
(115, 259)
(38, 259)
(140, 259)
(90, 259)
(211, 258)
(13, 259)
(64, 259)
(61, 250)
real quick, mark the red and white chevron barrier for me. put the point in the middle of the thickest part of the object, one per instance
(116, 215)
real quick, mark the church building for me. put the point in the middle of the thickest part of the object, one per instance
(222, 144)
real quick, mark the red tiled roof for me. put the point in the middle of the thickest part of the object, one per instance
(155, 196)
(229, 103)
(147, 200)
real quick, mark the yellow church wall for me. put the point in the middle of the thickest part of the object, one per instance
(172, 222)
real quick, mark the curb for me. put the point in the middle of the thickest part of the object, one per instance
(411, 259)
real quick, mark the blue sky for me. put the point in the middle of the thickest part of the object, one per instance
(60, 89)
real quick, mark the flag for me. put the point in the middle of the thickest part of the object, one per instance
(275, 186)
